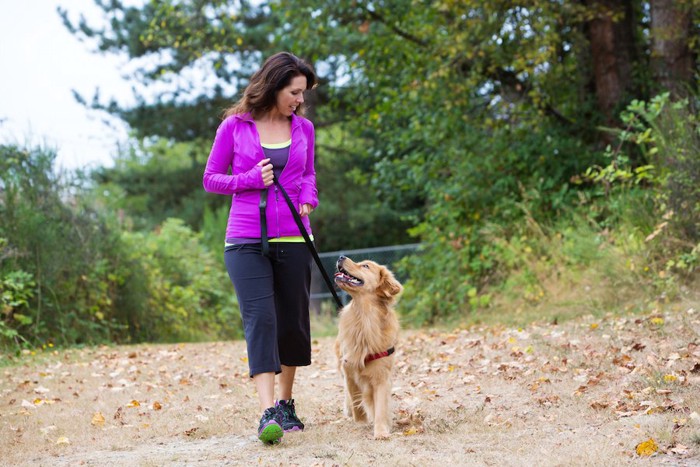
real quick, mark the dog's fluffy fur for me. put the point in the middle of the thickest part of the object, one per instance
(367, 325)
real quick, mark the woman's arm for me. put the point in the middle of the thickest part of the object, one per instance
(309, 192)
(216, 178)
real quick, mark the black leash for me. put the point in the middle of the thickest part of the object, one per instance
(263, 223)
(302, 230)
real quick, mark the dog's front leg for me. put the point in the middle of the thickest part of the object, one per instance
(353, 400)
(382, 413)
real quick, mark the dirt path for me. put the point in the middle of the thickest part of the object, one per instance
(582, 393)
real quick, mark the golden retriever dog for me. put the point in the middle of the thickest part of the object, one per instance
(368, 329)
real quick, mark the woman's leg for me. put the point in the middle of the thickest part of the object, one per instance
(286, 382)
(265, 385)
(292, 266)
(292, 270)
(252, 277)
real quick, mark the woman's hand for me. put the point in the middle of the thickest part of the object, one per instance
(268, 176)
(305, 210)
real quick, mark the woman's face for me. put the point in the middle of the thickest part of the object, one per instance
(292, 96)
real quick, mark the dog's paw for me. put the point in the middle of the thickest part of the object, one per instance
(381, 435)
(359, 416)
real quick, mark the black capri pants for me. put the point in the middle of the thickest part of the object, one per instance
(273, 295)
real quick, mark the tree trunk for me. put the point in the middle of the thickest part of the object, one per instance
(671, 59)
(611, 34)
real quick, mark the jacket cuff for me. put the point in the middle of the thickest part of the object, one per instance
(309, 195)
(253, 179)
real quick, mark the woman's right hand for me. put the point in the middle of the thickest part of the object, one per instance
(268, 175)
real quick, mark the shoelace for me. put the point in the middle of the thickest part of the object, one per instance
(268, 415)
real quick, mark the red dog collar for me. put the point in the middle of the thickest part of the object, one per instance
(379, 355)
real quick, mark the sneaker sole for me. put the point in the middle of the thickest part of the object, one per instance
(271, 434)
(294, 428)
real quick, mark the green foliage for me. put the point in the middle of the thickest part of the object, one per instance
(70, 274)
(155, 180)
(178, 290)
(213, 228)
(353, 211)
(63, 247)
(474, 126)
(16, 288)
(672, 141)
(507, 177)
(618, 229)
(667, 135)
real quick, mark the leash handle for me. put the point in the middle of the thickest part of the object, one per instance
(309, 244)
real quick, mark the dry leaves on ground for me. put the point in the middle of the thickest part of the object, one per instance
(590, 392)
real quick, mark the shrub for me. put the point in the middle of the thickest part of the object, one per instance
(70, 273)
(175, 289)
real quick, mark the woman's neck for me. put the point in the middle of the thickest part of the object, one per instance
(271, 116)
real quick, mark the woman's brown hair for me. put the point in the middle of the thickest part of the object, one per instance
(274, 75)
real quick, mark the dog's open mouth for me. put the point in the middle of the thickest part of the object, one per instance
(343, 276)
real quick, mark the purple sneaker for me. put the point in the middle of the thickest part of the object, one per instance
(270, 431)
(287, 415)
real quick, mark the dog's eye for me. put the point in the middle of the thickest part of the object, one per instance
(366, 266)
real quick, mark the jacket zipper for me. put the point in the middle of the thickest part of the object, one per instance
(277, 211)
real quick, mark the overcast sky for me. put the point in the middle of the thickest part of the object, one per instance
(41, 62)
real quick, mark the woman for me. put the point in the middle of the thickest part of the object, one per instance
(262, 139)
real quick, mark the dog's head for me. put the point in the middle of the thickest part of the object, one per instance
(366, 277)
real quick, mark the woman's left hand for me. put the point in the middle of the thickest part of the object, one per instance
(305, 210)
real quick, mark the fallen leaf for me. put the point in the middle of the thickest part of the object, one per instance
(134, 403)
(647, 448)
(622, 360)
(679, 449)
(598, 405)
(657, 321)
(119, 415)
(62, 440)
(156, 406)
(98, 419)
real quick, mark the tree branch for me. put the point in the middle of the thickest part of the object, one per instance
(410, 37)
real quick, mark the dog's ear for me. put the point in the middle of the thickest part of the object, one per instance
(388, 285)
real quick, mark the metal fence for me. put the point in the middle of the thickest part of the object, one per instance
(322, 298)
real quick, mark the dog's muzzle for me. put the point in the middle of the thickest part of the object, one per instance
(343, 276)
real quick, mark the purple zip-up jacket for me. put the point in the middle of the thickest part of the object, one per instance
(237, 148)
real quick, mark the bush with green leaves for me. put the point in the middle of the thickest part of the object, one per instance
(71, 274)
(16, 289)
(176, 289)
(478, 180)
(631, 217)
(62, 244)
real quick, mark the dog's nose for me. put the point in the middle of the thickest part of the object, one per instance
(341, 258)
